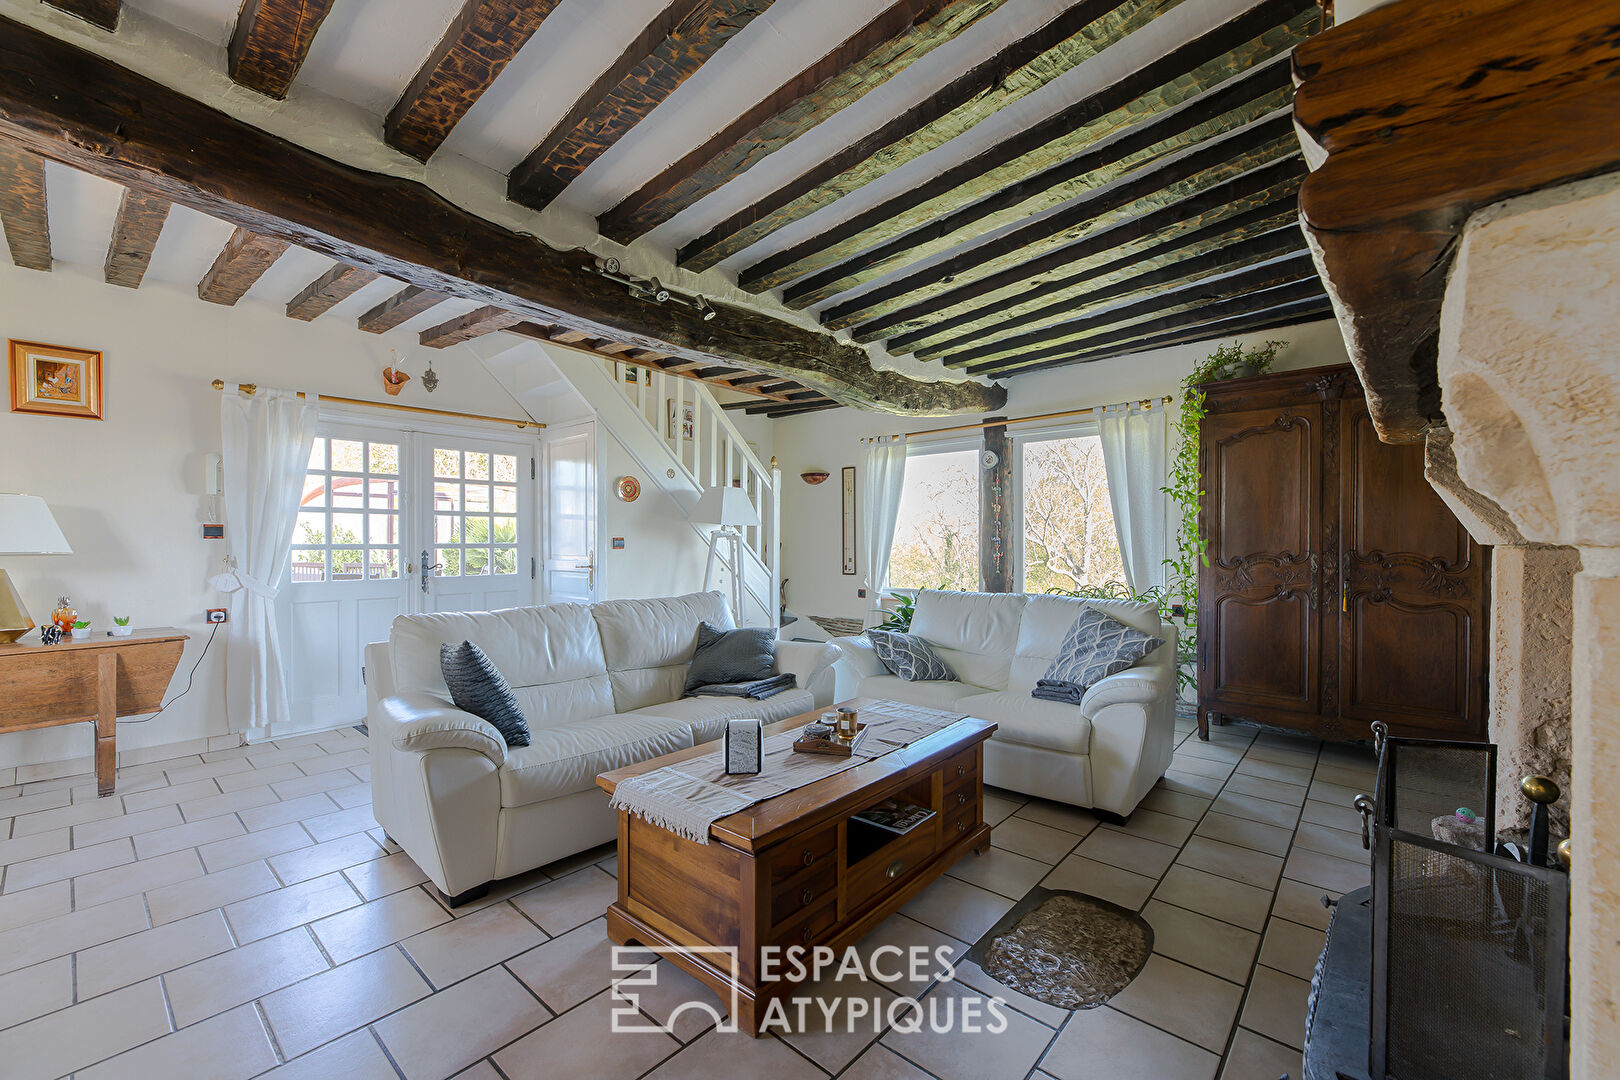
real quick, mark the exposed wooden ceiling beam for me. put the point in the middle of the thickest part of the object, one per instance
(328, 290)
(485, 320)
(1239, 194)
(270, 41)
(403, 306)
(773, 412)
(1282, 315)
(1182, 239)
(481, 40)
(134, 237)
(663, 56)
(1204, 166)
(1053, 338)
(72, 106)
(902, 34)
(22, 208)
(616, 351)
(102, 13)
(1072, 36)
(245, 258)
(752, 380)
(1148, 113)
(1283, 240)
(1307, 288)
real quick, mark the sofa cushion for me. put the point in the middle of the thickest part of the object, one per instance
(1047, 619)
(938, 695)
(551, 655)
(975, 633)
(1096, 646)
(567, 757)
(1044, 725)
(909, 656)
(746, 654)
(647, 644)
(708, 715)
(476, 686)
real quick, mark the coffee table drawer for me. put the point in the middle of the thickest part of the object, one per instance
(897, 860)
(804, 890)
(962, 768)
(796, 854)
(959, 822)
(809, 927)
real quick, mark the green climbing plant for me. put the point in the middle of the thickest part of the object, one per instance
(1186, 490)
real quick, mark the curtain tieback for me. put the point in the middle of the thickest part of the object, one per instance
(255, 586)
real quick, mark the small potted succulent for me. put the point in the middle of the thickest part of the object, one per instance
(81, 628)
(121, 627)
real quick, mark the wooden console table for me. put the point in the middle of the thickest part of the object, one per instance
(90, 681)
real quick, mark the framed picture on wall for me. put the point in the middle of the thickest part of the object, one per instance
(686, 418)
(55, 380)
(849, 520)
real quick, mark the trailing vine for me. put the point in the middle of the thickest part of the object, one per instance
(1186, 491)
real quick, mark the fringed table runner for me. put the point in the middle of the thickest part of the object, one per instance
(689, 797)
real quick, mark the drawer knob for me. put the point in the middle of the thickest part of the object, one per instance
(807, 897)
(961, 826)
(961, 797)
(809, 856)
(805, 935)
(961, 770)
(895, 869)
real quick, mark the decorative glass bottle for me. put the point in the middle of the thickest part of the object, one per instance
(64, 616)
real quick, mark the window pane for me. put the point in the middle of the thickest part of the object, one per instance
(309, 565)
(505, 561)
(348, 528)
(346, 456)
(505, 467)
(505, 530)
(317, 454)
(478, 497)
(348, 492)
(446, 497)
(346, 563)
(505, 499)
(936, 537)
(1069, 537)
(476, 530)
(311, 529)
(384, 494)
(385, 459)
(384, 563)
(446, 529)
(314, 491)
(446, 463)
(477, 466)
(382, 528)
(477, 562)
(449, 560)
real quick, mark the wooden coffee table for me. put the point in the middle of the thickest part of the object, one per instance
(790, 870)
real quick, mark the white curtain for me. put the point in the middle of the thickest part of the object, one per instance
(1136, 456)
(266, 443)
(881, 483)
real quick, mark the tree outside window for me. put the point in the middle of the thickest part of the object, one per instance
(936, 537)
(1069, 535)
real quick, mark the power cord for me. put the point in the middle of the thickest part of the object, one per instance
(189, 679)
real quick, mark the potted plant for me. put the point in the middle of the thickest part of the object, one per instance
(121, 627)
(81, 628)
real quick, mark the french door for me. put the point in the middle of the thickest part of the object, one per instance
(392, 522)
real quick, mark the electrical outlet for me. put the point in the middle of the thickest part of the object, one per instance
(217, 614)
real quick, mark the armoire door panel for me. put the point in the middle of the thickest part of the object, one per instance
(1395, 506)
(1267, 667)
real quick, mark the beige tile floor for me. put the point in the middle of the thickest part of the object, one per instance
(238, 914)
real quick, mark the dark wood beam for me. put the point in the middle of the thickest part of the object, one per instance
(665, 54)
(485, 320)
(1252, 189)
(102, 13)
(481, 40)
(328, 290)
(1428, 112)
(134, 237)
(1308, 288)
(1203, 166)
(774, 412)
(752, 380)
(713, 372)
(1284, 240)
(245, 258)
(618, 352)
(270, 41)
(22, 208)
(87, 112)
(1298, 312)
(1074, 35)
(1211, 85)
(903, 33)
(403, 306)
(1054, 337)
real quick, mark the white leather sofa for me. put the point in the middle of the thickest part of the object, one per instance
(1104, 753)
(601, 687)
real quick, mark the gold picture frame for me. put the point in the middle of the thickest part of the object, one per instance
(55, 380)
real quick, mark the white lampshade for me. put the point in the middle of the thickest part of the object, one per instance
(725, 506)
(27, 527)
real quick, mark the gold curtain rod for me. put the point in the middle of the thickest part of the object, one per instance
(1146, 403)
(253, 388)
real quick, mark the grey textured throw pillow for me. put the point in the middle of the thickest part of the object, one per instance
(909, 656)
(1096, 646)
(730, 656)
(476, 686)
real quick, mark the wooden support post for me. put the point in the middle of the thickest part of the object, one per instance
(106, 721)
(995, 509)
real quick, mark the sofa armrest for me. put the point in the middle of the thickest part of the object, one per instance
(1139, 685)
(860, 656)
(418, 722)
(806, 660)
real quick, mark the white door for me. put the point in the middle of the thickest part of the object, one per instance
(477, 525)
(568, 474)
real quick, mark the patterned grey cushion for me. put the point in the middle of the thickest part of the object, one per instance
(1096, 646)
(909, 656)
(731, 656)
(477, 687)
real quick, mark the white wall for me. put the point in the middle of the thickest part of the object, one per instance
(811, 516)
(127, 490)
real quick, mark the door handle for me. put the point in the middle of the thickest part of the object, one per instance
(427, 569)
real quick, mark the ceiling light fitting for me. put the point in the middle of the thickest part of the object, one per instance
(653, 290)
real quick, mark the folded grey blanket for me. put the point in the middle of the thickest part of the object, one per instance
(1052, 690)
(758, 688)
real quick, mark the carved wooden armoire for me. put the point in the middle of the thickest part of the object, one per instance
(1339, 588)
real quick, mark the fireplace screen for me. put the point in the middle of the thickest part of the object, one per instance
(1469, 947)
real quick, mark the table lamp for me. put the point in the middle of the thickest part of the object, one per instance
(26, 528)
(729, 508)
